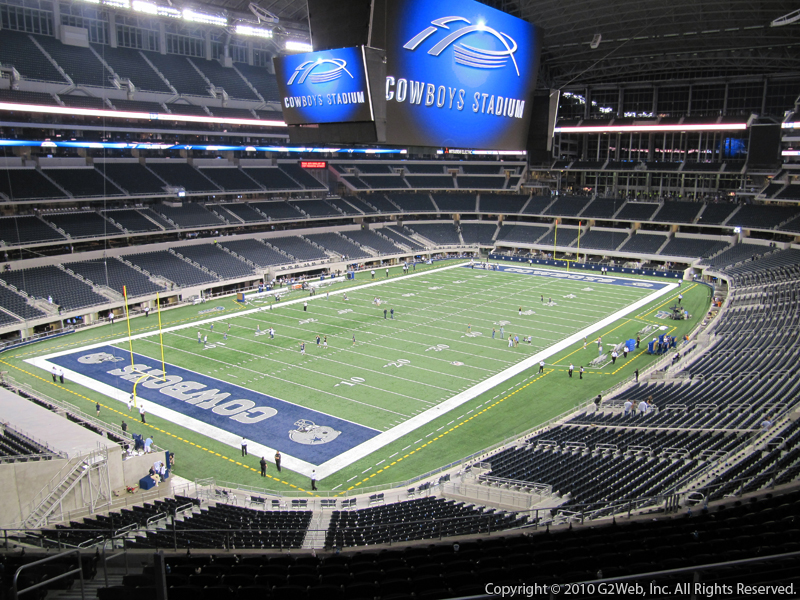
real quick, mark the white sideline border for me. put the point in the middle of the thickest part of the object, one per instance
(356, 453)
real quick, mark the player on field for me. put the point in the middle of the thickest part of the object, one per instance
(325, 342)
(318, 340)
(302, 347)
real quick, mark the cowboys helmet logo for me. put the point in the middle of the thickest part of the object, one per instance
(305, 71)
(312, 435)
(99, 357)
(470, 56)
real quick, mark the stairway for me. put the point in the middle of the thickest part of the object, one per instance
(66, 480)
(315, 536)
(90, 586)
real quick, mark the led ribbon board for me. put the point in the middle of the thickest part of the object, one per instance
(324, 87)
(459, 74)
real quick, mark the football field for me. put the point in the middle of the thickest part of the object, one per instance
(347, 374)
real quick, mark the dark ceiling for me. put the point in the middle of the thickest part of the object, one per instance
(642, 40)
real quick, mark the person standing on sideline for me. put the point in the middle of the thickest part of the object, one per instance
(146, 311)
(614, 356)
(55, 375)
(580, 372)
(571, 369)
(305, 305)
(124, 427)
(541, 366)
(263, 463)
(600, 350)
(142, 413)
(584, 342)
(130, 402)
(385, 312)
(373, 273)
(148, 445)
(636, 374)
(624, 352)
(244, 446)
(314, 472)
(387, 274)
(680, 298)
(278, 460)
(638, 341)
(97, 407)
(61, 376)
(391, 313)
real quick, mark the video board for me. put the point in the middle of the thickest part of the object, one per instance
(330, 86)
(459, 74)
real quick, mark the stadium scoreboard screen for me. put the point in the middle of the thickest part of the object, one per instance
(459, 74)
(324, 87)
(450, 73)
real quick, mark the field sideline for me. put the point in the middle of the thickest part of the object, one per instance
(412, 379)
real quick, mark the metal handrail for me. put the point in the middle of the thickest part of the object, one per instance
(16, 592)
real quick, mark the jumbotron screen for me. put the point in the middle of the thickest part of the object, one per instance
(459, 74)
(324, 87)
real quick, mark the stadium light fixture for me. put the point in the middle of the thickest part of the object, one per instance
(293, 46)
(199, 17)
(145, 7)
(168, 11)
(253, 31)
(117, 3)
(124, 114)
(652, 128)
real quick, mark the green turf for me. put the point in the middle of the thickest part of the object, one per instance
(390, 394)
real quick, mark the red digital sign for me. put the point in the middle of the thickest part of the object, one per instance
(314, 164)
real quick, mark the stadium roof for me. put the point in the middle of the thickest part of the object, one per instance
(660, 40)
(642, 40)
